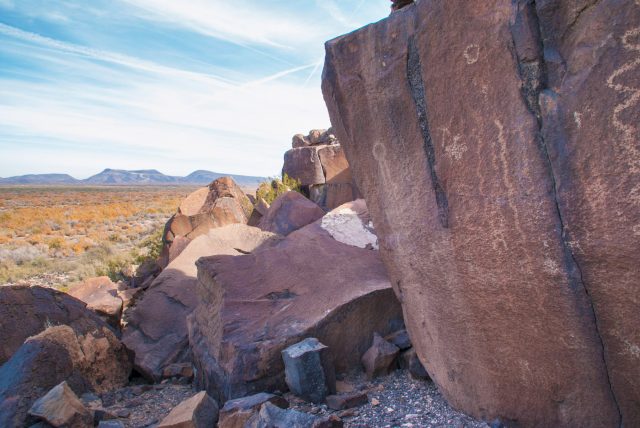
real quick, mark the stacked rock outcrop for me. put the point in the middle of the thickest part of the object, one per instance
(318, 162)
(221, 203)
(496, 144)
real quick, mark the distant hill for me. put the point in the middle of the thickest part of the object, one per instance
(40, 179)
(206, 177)
(121, 176)
(135, 177)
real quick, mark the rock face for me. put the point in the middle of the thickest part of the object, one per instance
(289, 212)
(157, 327)
(497, 148)
(101, 296)
(221, 203)
(27, 311)
(318, 161)
(95, 361)
(254, 306)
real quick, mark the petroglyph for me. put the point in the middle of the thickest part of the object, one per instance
(453, 147)
(472, 53)
(577, 117)
(627, 129)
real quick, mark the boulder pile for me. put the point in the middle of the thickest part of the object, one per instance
(496, 145)
(318, 162)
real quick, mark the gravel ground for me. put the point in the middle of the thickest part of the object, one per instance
(141, 406)
(396, 400)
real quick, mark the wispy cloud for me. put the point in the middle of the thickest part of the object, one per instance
(162, 84)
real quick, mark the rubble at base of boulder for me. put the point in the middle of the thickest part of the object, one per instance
(379, 358)
(237, 412)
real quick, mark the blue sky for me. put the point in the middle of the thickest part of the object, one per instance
(175, 85)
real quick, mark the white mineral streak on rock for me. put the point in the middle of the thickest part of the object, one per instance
(344, 225)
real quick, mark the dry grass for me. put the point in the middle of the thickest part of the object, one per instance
(80, 231)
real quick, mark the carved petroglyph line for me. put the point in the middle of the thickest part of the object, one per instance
(627, 130)
(453, 148)
(472, 53)
(577, 117)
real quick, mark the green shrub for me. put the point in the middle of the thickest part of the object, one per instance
(274, 187)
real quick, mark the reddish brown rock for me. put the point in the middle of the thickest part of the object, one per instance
(94, 361)
(289, 212)
(101, 295)
(347, 400)
(380, 357)
(221, 203)
(27, 311)
(199, 411)
(60, 407)
(591, 128)
(514, 256)
(330, 196)
(236, 413)
(303, 164)
(298, 141)
(311, 284)
(409, 361)
(334, 164)
(156, 332)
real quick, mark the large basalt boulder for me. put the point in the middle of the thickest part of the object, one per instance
(221, 203)
(289, 212)
(101, 296)
(26, 311)
(304, 165)
(156, 332)
(309, 285)
(513, 248)
(94, 361)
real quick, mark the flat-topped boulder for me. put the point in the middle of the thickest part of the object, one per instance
(26, 311)
(253, 306)
(156, 332)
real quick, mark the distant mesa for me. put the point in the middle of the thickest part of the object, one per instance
(134, 177)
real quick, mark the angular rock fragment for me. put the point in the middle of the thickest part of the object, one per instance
(379, 358)
(101, 296)
(95, 361)
(111, 424)
(309, 371)
(253, 306)
(199, 411)
(61, 408)
(399, 338)
(289, 212)
(409, 361)
(298, 141)
(183, 370)
(347, 400)
(271, 416)
(156, 332)
(26, 311)
(236, 413)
